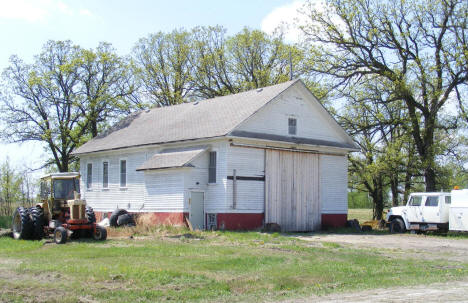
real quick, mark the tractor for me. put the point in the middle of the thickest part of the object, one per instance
(61, 212)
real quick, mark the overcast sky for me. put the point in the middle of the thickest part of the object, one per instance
(25, 25)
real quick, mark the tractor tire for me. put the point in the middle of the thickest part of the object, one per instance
(397, 226)
(37, 218)
(125, 220)
(90, 216)
(21, 224)
(100, 234)
(115, 215)
(60, 235)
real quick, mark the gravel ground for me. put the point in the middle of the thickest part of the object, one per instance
(403, 245)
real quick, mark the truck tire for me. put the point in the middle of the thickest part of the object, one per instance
(60, 235)
(397, 226)
(115, 215)
(21, 224)
(100, 234)
(90, 215)
(37, 218)
(125, 219)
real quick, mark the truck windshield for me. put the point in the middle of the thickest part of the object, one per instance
(63, 189)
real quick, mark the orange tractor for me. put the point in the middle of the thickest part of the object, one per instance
(61, 212)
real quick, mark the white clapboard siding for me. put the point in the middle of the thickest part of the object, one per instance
(292, 198)
(215, 194)
(312, 121)
(164, 190)
(333, 184)
(130, 197)
(248, 162)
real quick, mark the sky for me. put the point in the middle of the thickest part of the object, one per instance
(25, 25)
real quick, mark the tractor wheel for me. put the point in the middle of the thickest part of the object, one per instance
(90, 216)
(397, 226)
(125, 219)
(100, 234)
(115, 215)
(37, 218)
(60, 235)
(21, 225)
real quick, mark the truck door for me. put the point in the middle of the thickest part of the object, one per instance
(431, 210)
(414, 211)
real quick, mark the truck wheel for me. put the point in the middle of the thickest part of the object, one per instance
(100, 234)
(115, 215)
(60, 235)
(37, 218)
(397, 226)
(90, 216)
(21, 224)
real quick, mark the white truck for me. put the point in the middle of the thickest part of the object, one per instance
(423, 212)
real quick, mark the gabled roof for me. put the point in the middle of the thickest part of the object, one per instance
(203, 119)
(172, 159)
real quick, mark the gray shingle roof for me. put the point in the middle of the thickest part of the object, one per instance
(204, 119)
(172, 159)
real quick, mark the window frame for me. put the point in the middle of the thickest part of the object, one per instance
(108, 166)
(89, 176)
(211, 168)
(120, 173)
(292, 126)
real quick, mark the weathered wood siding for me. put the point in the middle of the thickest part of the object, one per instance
(292, 190)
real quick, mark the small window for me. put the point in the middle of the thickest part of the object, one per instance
(212, 168)
(292, 124)
(432, 201)
(105, 174)
(123, 173)
(415, 201)
(89, 176)
(448, 199)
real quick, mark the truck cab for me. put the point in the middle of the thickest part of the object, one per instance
(423, 212)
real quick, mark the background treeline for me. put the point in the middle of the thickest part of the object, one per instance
(394, 75)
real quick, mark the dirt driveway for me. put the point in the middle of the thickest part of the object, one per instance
(402, 246)
(428, 247)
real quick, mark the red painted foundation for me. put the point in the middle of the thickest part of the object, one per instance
(334, 220)
(236, 221)
(159, 218)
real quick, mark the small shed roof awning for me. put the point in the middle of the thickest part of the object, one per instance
(171, 159)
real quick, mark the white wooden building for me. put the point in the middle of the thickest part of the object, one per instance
(271, 155)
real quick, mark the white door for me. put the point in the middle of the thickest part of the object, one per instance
(197, 210)
(414, 209)
(431, 210)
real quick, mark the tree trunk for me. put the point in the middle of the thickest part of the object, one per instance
(394, 189)
(430, 179)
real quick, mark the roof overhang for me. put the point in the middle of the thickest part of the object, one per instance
(172, 158)
(294, 140)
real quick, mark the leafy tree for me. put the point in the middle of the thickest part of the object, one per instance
(162, 65)
(106, 87)
(418, 47)
(64, 97)
(10, 188)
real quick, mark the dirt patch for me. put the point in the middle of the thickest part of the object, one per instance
(456, 291)
(402, 245)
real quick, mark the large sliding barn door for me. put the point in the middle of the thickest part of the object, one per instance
(292, 190)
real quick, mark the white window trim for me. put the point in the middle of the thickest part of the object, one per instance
(297, 126)
(217, 165)
(90, 188)
(126, 173)
(108, 174)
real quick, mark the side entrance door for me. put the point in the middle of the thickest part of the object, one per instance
(197, 210)
(414, 208)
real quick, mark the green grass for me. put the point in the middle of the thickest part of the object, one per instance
(362, 214)
(201, 266)
(5, 221)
